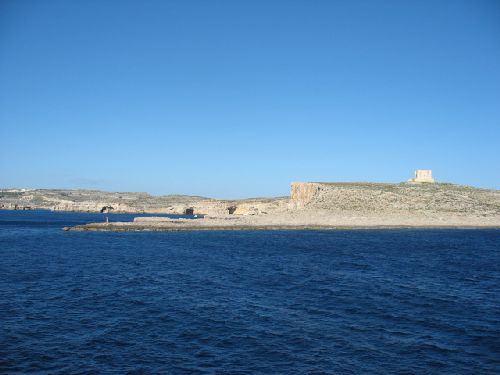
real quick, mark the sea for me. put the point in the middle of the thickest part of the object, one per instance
(245, 302)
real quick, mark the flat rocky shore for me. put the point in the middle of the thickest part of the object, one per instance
(299, 220)
(118, 227)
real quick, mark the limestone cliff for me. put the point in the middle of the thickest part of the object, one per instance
(302, 193)
(395, 198)
(330, 198)
(97, 201)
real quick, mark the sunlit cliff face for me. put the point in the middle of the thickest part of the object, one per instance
(303, 193)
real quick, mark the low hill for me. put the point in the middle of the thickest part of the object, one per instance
(96, 201)
(395, 198)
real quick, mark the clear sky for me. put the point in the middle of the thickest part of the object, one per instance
(239, 98)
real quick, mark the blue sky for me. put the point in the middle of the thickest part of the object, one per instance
(239, 98)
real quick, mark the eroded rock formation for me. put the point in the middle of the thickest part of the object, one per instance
(98, 201)
(307, 199)
(302, 193)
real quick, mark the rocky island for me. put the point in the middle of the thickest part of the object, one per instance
(419, 202)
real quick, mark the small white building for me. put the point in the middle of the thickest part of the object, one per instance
(422, 175)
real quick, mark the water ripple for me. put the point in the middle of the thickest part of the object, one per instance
(401, 301)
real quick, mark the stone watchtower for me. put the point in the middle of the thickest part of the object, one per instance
(422, 175)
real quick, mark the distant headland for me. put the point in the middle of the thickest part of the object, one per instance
(418, 202)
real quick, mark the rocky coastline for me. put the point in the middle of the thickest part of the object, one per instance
(311, 205)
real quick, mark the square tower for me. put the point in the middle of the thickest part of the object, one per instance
(423, 175)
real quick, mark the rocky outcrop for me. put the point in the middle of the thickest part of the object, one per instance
(261, 207)
(396, 198)
(98, 201)
(302, 193)
(345, 199)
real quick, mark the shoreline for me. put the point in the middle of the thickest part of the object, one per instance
(124, 227)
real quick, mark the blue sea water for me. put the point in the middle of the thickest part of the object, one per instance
(250, 302)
